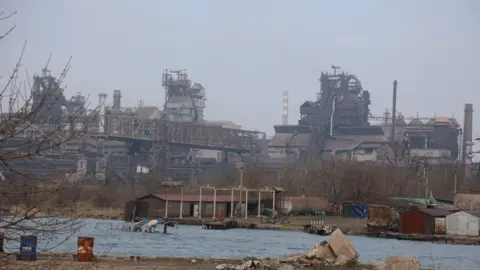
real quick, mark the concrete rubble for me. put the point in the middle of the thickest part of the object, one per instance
(337, 252)
(400, 263)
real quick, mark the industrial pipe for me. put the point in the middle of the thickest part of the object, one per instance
(331, 116)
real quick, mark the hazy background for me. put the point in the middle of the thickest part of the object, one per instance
(246, 53)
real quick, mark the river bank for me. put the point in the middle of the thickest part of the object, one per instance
(350, 226)
(335, 254)
(193, 241)
(65, 261)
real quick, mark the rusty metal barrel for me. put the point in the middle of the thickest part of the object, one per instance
(85, 249)
(28, 248)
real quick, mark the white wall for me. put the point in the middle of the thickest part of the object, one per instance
(205, 153)
(462, 223)
(365, 155)
(467, 201)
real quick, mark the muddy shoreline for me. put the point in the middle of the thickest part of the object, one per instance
(65, 261)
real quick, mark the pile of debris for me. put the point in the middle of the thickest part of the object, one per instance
(338, 252)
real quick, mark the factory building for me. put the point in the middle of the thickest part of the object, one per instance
(117, 142)
(339, 123)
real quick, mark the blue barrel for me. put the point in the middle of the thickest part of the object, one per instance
(28, 248)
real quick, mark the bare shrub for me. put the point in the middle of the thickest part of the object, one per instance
(30, 133)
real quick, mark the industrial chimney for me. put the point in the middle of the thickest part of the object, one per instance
(285, 109)
(394, 110)
(117, 99)
(468, 140)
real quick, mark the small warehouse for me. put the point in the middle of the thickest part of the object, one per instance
(465, 223)
(189, 205)
(423, 221)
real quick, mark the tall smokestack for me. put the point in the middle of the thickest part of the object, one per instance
(468, 140)
(394, 110)
(285, 109)
(117, 99)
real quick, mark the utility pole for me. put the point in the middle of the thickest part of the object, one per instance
(425, 170)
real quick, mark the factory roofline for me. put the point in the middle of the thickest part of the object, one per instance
(292, 129)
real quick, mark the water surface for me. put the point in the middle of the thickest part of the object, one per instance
(193, 241)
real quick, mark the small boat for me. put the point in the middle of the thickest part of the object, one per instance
(318, 227)
(148, 226)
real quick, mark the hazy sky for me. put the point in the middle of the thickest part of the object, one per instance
(247, 53)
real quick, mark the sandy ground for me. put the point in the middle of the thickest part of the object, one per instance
(124, 263)
(61, 262)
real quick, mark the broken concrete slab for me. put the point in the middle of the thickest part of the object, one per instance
(321, 251)
(251, 263)
(341, 246)
(401, 263)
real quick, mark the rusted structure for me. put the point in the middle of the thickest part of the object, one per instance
(381, 216)
(85, 249)
(422, 220)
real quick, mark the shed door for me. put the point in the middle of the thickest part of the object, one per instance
(195, 210)
(440, 225)
(461, 224)
(472, 227)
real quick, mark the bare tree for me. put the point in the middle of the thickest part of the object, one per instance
(34, 131)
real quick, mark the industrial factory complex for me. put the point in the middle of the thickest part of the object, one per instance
(177, 142)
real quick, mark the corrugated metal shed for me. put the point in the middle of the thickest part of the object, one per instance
(193, 198)
(463, 223)
(421, 220)
(435, 212)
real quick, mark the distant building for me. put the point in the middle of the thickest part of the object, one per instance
(215, 155)
(467, 199)
(289, 205)
(180, 109)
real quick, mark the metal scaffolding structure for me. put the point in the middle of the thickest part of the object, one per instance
(193, 135)
(170, 147)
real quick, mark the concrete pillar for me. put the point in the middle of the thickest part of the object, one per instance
(231, 206)
(214, 202)
(259, 203)
(181, 204)
(246, 203)
(273, 202)
(166, 206)
(200, 204)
